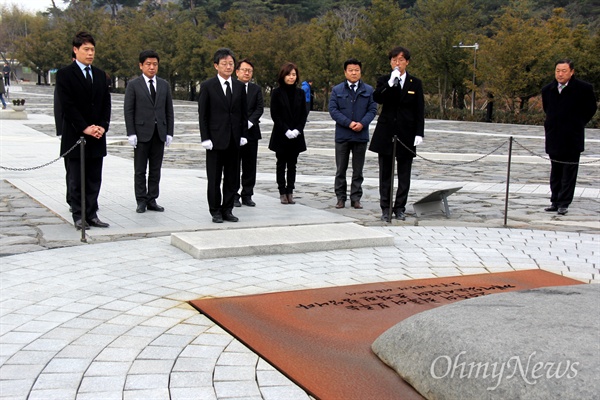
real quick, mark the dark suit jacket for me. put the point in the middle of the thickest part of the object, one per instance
(567, 113)
(141, 114)
(82, 107)
(256, 108)
(287, 118)
(219, 121)
(402, 114)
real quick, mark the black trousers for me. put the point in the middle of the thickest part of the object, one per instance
(342, 157)
(404, 167)
(286, 172)
(222, 165)
(93, 181)
(248, 161)
(148, 155)
(563, 177)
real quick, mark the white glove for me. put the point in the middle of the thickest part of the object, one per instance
(169, 140)
(290, 134)
(296, 132)
(132, 140)
(243, 141)
(250, 124)
(395, 74)
(207, 144)
(418, 140)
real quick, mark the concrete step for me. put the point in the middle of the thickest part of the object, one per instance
(278, 240)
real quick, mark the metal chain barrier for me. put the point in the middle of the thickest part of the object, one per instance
(46, 164)
(549, 159)
(453, 164)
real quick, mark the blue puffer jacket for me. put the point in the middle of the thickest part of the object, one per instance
(345, 108)
(306, 87)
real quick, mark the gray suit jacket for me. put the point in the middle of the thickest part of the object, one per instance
(141, 114)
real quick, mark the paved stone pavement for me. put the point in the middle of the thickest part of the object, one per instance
(110, 318)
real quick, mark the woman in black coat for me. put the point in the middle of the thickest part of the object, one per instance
(288, 112)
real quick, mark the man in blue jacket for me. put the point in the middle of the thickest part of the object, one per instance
(352, 107)
(307, 87)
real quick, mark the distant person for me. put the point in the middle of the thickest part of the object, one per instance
(223, 117)
(6, 74)
(402, 115)
(85, 104)
(569, 104)
(352, 107)
(249, 152)
(308, 95)
(288, 113)
(2, 92)
(150, 124)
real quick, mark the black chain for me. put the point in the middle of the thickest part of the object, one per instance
(46, 164)
(549, 159)
(454, 164)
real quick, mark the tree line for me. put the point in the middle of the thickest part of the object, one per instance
(517, 44)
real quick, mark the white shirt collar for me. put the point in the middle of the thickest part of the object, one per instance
(82, 66)
(223, 83)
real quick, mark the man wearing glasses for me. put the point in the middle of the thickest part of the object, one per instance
(249, 152)
(402, 115)
(223, 118)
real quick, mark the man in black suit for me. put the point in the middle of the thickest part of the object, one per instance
(223, 117)
(84, 98)
(249, 152)
(402, 115)
(569, 104)
(149, 120)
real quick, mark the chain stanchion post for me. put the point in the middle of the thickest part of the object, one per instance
(392, 179)
(82, 169)
(510, 143)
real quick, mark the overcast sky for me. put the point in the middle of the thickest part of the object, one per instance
(32, 5)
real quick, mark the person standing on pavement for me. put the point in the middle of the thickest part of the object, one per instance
(569, 104)
(2, 92)
(85, 104)
(402, 115)
(223, 117)
(249, 152)
(150, 124)
(308, 95)
(288, 113)
(352, 107)
(6, 74)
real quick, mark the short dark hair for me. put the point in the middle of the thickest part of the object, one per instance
(397, 50)
(222, 53)
(244, 60)
(565, 61)
(148, 54)
(285, 70)
(352, 61)
(83, 37)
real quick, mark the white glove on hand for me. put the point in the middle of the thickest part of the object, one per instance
(296, 132)
(290, 134)
(132, 140)
(169, 140)
(418, 140)
(395, 74)
(207, 144)
(243, 141)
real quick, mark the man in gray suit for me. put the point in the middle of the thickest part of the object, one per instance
(149, 123)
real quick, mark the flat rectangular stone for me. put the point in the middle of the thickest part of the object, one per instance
(278, 240)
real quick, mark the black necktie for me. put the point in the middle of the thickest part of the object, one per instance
(396, 82)
(228, 92)
(352, 87)
(88, 76)
(152, 91)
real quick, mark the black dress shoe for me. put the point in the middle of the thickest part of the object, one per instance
(357, 205)
(385, 217)
(97, 223)
(236, 202)
(141, 208)
(400, 215)
(230, 217)
(78, 225)
(155, 207)
(562, 210)
(552, 208)
(217, 219)
(340, 204)
(247, 201)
